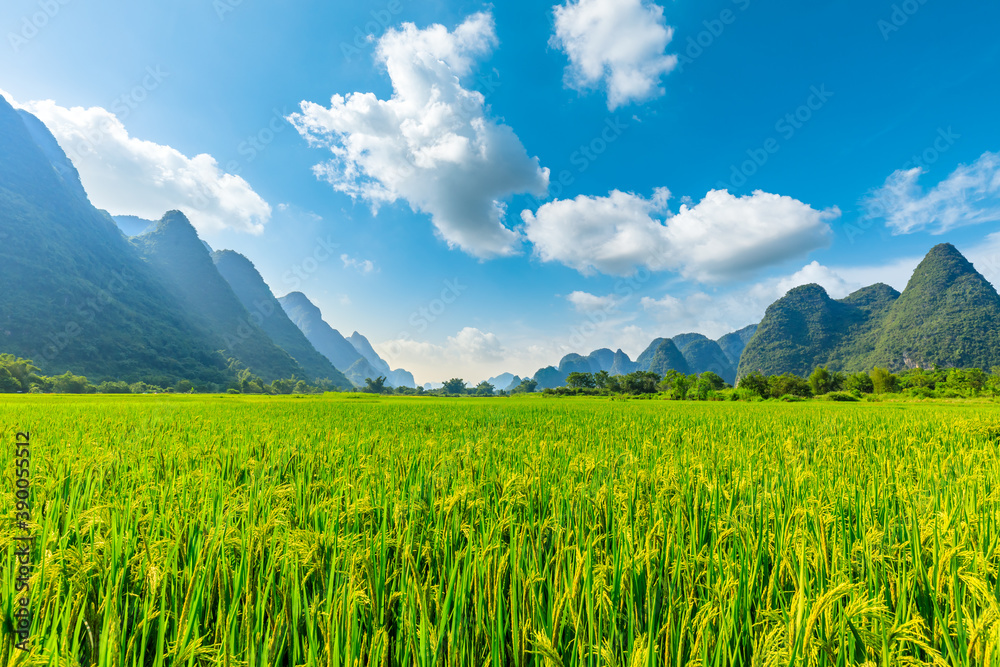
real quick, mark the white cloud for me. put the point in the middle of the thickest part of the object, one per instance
(720, 238)
(969, 196)
(585, 302)
(129, 176)
(617, 43)
(986, 258)
(468, 354)
(717, 314)
(895, 273)
(475, 356)
(673, 308)
(834, 284)
(708, 314)
(612, 234)
(475, 345)
(432, 143)
(363, 266)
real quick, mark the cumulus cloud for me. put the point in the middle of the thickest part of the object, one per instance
(432, 144)
(585, 302)
(671, 308)
(619, 44)
(129, 176)
(363, 266)
(969, 196)
(477, 345)
(469, 353)
(720, 238)
(834, 284)
(715, 314)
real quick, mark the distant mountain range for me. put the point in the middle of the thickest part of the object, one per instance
(948, 315)
(685, 353)
(266, 312)
(504, 382)
(131, 299)
(355, 354)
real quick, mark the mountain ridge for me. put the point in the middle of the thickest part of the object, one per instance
(948, 315)
(76, 297)
(176, 253)
(267, 313)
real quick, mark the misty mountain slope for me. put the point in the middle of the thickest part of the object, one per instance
(365, 349)
(394, 378)
(327, 340)
(257, 298)
(185, 266)
(75, 295)
(703, 355)
(666, 357)
(734, 343)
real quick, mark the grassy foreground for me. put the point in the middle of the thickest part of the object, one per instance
(246, 531)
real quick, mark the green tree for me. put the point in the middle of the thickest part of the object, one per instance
(454, 386)
(640, 382)
(918, 378)
(976, 379)
(376, 386)
(756, 383)
(993, 381)
(884, 382)
(860, 382)
(527, 386)
(110, 387)
(821, 381)
(682, 385)
(67, 383)
(283, 387)
(715, 381)
(580, 380)
(788, 385)
(184, 387)
(601, 379)
(8, 383)
(700, 389)
(485, 389)
(22, 370)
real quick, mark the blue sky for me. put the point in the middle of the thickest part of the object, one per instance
(689, 161)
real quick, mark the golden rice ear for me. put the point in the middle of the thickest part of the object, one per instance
(529, 532)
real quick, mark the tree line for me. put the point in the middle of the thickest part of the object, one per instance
(22, 376)
(821, 383)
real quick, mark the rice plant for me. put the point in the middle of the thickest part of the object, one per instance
(250, 532)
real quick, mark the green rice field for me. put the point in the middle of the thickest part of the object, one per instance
(336, 530)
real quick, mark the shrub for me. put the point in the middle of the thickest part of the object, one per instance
(843, 396)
